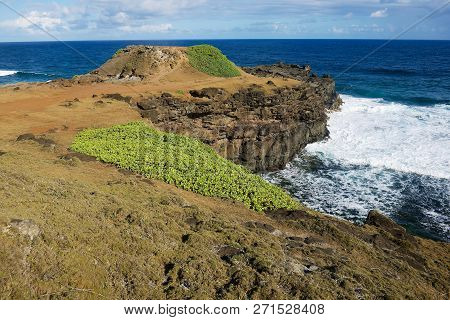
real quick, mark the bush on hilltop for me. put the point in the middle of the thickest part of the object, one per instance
(212, 61)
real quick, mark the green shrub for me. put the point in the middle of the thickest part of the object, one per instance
(117, 52)
(211, 60)
(182, 161)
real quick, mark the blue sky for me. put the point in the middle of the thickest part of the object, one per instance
(217, 19)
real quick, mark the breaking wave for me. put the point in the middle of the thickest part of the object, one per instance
(4, 73)
(381, 155)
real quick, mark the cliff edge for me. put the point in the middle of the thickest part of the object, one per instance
(259, 124)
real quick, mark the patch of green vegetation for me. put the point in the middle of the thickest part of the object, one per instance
(182, 161)
(180, 92)
(118, 52)
(210, 60)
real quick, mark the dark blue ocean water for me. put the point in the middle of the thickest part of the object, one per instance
(388, 148)
(416, 72)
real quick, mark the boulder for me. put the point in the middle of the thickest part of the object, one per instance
(379, 220)
(209, 93)
(26, 227)
(118, 97)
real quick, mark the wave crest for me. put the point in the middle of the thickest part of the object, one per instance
(4, 73)
(391, 135)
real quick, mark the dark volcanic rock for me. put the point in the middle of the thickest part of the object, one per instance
(259, 225)
(324, 86)
(38, 139)
(280, 70)
(377, 219)
(227, 253)
(262, 131)
(118, 97)
(207, 93)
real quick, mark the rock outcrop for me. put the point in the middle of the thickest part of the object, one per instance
(136, 63)
(259, 126)
(281, 70)
(324, 86)
(259, 129)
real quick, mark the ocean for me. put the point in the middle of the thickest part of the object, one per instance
(389, 147)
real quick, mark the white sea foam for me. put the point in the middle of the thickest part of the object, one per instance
(4, 73)
(440, 221)
(379, 155)
(391, 135)
(350, 191)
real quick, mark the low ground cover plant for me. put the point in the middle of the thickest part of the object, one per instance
(182, 161)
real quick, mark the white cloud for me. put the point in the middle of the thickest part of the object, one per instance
(147, 7)
(90, 16)
(366, 28)
(120, 17)
(55, 19)
(147, 28)
(337, 30)
(280, 27)
(379, 13)
(45, 20)
(103, 18)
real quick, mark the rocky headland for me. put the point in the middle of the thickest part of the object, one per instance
(262, 130)
(72, 227)
(259, 126)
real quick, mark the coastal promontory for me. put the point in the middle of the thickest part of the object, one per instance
(139, 180)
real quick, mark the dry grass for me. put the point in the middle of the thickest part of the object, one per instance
(105, 234)
(110, 235)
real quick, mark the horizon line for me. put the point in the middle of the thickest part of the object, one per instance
(223, 39)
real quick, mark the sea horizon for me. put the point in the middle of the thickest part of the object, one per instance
(226, 39)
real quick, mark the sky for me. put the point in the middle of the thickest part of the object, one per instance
(221, 19)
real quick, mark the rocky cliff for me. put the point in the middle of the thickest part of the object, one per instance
(262, 128)
(261, 125)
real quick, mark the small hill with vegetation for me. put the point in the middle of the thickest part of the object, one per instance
(212, 61)
(140, 62)
(182, 161)
(144, 62)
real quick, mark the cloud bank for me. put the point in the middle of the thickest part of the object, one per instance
(147, 19)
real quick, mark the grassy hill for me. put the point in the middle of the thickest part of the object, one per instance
(212, 61)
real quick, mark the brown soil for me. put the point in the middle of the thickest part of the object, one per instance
(40, 107)
(74, 228)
